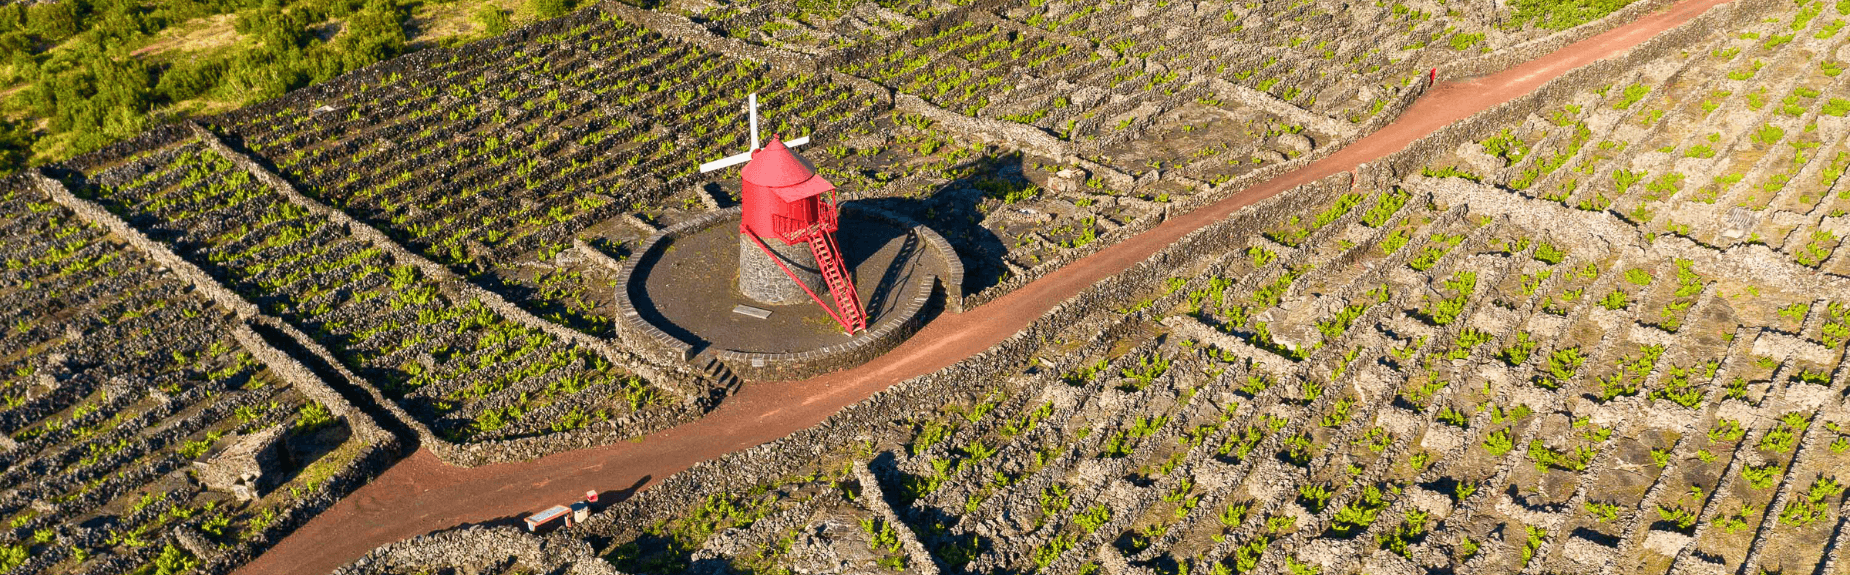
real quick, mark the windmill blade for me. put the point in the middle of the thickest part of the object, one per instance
(725, 162)
(796, 142)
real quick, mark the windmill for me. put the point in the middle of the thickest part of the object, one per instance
(782, 199)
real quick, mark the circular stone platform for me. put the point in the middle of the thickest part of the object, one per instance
(683, 286)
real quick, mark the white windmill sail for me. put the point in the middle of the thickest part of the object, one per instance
(725, 162)
(740, 158)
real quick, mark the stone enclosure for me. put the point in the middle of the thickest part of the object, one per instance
(1599, 328)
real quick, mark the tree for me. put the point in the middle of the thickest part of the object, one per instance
(92, 94)
(375, 33)
(190, 78)
(549, 8)
(276, 30)
(56, 21)
(492, 19)
(15, 145)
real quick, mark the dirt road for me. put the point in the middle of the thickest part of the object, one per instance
(421, 494)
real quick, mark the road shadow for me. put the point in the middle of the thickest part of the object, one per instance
(605, 499)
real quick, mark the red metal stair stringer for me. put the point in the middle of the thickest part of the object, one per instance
(835, 274)
(793, 277)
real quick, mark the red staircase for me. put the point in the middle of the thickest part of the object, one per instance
(835, 273)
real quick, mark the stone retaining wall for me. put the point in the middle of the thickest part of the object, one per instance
(682, 383)
(1487, 63)
(1211, 195)
(466, 455)
(1505, 58)
(878, 339)
(680, 28)
(870, 418)
(1412, 159)
(865, 420)
(380, 447)
(96, 214)
(679, 384)
(919, 560)
(482, 549)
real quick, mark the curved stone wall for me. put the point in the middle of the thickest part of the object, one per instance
(946, 271)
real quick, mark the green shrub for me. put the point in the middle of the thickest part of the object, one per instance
(173, 561)
(11, 556)
(1761, 477)
(1462, 41)
(1450, 172)
(1386, 204)
(1560, 14)
(931, 434)
(1632, 95)
(1836, 107)
(312, 416)
(1549, 254)
(1615, 301)
(492, 19)
(1395, 240)
(1814, 504)
(549, 9)
(1518, 351)
(1507, 147)
(1637, 276)
(1358, 514)
(1562, 364)
(1093, 518)
(1430, 254)
(1769, 134)
(1499, 443)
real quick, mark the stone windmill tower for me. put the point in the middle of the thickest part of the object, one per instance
(783, 201)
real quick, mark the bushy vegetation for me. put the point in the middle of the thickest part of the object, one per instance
(1560, 14)
(97, 71)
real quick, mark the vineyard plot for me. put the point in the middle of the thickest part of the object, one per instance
(495, 158)
(1382, 382)
(455, 364)
(126, 398)
(1738, 141)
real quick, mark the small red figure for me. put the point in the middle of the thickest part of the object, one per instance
(1432, 77)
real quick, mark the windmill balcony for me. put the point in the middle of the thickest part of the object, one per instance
(794, 231)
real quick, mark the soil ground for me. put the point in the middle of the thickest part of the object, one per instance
(420, 494)
(694, 284)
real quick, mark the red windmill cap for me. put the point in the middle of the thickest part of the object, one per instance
(783, 172)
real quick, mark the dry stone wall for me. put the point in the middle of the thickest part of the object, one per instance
(135, 475)
(1403, 302)
(494, 301)
(1541, 384)
(942, 261)
(482, 549)
(474, 453)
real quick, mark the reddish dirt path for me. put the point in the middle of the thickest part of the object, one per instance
(421, 494)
